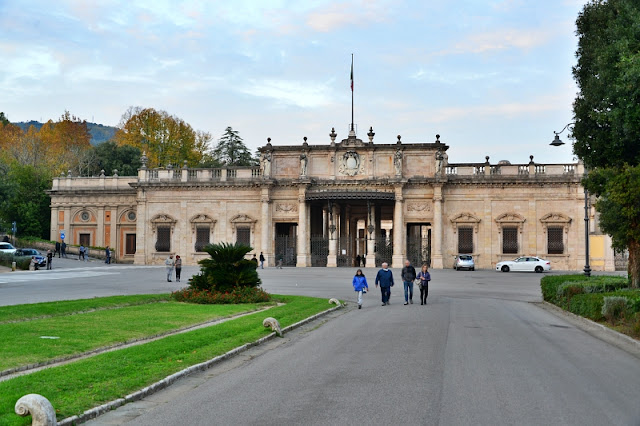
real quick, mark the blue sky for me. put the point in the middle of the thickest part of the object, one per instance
(491, 77)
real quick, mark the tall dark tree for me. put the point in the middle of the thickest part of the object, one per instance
(3, 119)
(607, 118)
(231, 150)
(110, 157)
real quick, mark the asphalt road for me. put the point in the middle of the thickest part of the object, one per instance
(479, 353)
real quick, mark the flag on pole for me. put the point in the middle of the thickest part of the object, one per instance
(352, 73)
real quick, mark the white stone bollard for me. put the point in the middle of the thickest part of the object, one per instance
(41, 410)
(274, 324)
(14, 266)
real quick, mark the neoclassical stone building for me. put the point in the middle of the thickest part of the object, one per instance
(324, 205)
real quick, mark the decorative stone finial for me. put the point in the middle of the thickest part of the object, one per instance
(268, 141)
(371, 134)
(486, 159)
(169, 166)
(115, 172)
(40, 409)
(437, 138)
(184, 164)
(69, 173)
(144, 159)
(531, 159)
(333, 136)
(399, 138)
(102, 173)
(305, 141)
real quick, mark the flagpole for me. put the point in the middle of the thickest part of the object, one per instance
(352, 129)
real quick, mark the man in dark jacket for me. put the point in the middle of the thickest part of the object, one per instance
(408, 275)
(57, 249)
(385, 280)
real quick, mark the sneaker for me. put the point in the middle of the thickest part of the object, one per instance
(421, 303)
(411, 301)
(406, 303)
(384, 304)
(359, 306)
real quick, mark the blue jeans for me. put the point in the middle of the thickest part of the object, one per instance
(386, 293)
(408, 290)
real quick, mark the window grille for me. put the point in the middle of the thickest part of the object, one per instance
(509, 240)
(465, 239)
(555, 240)
(243, 236)
(202, 237)
(163, 243)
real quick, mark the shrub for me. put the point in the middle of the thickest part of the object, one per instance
(236, 295)
(588, 305)
(615, 307)
(226, 269)
(21, 262)
(550, 283)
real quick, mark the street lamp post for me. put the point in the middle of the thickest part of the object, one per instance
(587, 268)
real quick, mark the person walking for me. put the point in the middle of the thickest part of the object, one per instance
(358, 258)
(107, 253)
(178, 265)
(424, 276)
(57, 249)
(49, 259)
(254, 259)
(408, 275)
(81, 252)
(63, 248)
(360, 286)
(384, 278)
(261, 260)
(169, 263)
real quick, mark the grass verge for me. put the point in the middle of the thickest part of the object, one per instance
(21, 343)
(78, 386)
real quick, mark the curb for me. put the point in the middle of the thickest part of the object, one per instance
(604, 333)
(167, 381)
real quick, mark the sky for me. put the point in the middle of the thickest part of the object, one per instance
(490, 77)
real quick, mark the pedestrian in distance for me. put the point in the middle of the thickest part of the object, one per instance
(424, 277)
(360, 286)
(49, 259)
(358, 258)
(178, 265)
(279, 263)
(33, 265)
(57, 249)
(63, 248)
(262, 260)
(408, 276)
(107, 254)
(364, 261)
(169, 263)
(384, 279)
(254, 259)
(81, 252)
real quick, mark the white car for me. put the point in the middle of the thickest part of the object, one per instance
(524, 263)
(7, 248)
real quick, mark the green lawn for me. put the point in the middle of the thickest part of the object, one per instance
(83, 384)
(21, 343)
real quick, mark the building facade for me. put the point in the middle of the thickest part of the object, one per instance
(324, 205)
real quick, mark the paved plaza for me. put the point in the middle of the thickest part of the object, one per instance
(481, 352)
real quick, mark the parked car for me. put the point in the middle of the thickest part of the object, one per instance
(7, 248)
(29, 252)
(524, 263)
(464, 261)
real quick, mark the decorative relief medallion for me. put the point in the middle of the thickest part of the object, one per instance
(418, 207)
(350, 164)
(286, 207)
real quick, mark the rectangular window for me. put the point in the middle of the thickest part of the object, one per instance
(202, 237)
(509, 240)
(85, 240)
(555, 240)
(465, 239)
(243, 236)
(163, 243)
(130, 244)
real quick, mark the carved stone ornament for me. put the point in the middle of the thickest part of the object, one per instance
(510, 218)
(555, 218)
(350, 164)
(40, 409)
(418, 207)
(287, 207)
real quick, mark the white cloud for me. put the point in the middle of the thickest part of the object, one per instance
(301, 94)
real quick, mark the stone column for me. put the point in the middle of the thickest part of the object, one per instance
(53, 234)
(325, 223)
(371, 238)
(142, 230)
(303, 259)
(67, 225)
(100, 228)
(436, 259)
(266, 225)
(399, 248)
(332, 259)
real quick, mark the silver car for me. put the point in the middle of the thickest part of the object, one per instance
(464, 261)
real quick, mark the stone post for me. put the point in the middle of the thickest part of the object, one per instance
(266, 225)
(332, 259)
(303, 259)
(399, 248)
(436, 259)
(371, 237)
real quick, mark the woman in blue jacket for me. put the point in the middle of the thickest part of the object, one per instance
(360, 285)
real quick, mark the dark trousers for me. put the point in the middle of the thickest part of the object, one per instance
(49, 264)
(178, 270)
(424, 292)
(386, 293)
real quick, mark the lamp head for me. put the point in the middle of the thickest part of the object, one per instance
(556, 141)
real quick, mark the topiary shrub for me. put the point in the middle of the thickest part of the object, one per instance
(227, 269)
(615, 308)
(588, 305)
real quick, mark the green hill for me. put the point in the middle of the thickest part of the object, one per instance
(99, 132)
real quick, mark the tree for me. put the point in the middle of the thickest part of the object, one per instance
(227, 268)
(164, 138)
(607, 118)
(3, 119)
(231, 150)
(110, 157)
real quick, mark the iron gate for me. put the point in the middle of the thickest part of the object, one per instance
(319, 250)
(286, 249)
(344, 251)
(384, 250)
(419, 251)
